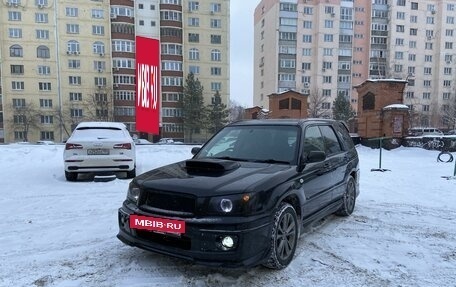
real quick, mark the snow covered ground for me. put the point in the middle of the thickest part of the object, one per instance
(58, 233)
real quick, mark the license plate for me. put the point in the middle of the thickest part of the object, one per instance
(98, 151)
(157, 224)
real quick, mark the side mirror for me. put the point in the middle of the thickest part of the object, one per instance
(316, 156)
(195, 150)
(313, 156)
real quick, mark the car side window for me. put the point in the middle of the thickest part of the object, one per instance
(332, 144)
(313, 140)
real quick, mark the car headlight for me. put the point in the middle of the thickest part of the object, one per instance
(133, 193)
(232, 204)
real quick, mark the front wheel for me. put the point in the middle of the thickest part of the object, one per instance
(349, 199)
(71, 176)
(284, 237)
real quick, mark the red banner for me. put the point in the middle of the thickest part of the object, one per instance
(157, 224)
(147, 85)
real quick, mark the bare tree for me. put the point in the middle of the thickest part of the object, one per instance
(448, 113)
(316, 102)
(25, 117)
(236, 112)
(99, 107)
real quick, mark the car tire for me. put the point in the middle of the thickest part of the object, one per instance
(71, 176)
(284, 237)
(131, 173)
(348, 199)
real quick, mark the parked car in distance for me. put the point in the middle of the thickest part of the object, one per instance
(99, 147)
(451, 132)
(142, 142)
(246, 195)
(425, 131)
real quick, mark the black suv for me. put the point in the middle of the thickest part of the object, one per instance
(245, 196)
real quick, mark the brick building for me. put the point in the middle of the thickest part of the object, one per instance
(381, 111)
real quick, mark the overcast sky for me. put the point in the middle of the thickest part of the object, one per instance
(241, 57)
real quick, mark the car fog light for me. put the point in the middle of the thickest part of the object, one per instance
(228, 242)
(226, 205)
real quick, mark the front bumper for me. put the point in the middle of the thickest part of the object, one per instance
(201, 241)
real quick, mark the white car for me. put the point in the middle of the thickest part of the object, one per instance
(99, 147)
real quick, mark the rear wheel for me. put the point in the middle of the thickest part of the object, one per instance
(349, 199)
(71, 176)
(284, 237)
(131, 173)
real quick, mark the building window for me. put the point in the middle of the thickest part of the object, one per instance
(46, 120)
(328, 38)
(216, 39)
(216, 86)
(216, 71)
(41, 18)
(74, 80)
(97, 14)
(307, 38)
(14, 16)
(98, 48)
(43, 52)
(427, 70)
(193, 37)
(216, 55)
(446, 96)
(47, 135)
(18, 103)
(307, 24)
(216, 23)
(72, 28)
(44, 70)
(71, 12)
(193, 54)
(46, 103)
(447, 83)
(44, 86)
(17, 85)
(42, 34)
(326, 106)
(193, 22)
(101, 81)
(98, 30)
(414, 5)
(15, 32)
(308, 10)
(193, 5)
(17, 69)
(216, 7)
(75, 97)
(74, 64)
(194, 69)
(76, 113)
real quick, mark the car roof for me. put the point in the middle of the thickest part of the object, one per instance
(101, 125)
(279, 122)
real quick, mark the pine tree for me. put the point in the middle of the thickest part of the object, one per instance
(342, 109)
(218, 114)
(193, 109)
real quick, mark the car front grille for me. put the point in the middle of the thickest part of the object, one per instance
(168, 203)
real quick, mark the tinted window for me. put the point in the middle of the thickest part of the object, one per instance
(332, 144)
(313, 140)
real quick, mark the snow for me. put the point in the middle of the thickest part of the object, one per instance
(59, 233)
(396, 106)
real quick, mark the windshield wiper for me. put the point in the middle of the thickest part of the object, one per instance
(272, 161)
(230, 158)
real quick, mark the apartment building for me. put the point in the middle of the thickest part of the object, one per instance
(62, 62)
(323, 48)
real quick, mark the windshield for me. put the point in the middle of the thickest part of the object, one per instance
(254, 143)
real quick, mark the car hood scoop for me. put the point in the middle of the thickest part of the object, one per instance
(210, 165)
